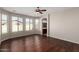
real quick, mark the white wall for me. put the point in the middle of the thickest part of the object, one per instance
(65, 25)
(0, 27)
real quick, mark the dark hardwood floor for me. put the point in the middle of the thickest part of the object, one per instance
(37, 43)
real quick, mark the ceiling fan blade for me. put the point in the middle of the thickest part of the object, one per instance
(40, 12)
(43, 10)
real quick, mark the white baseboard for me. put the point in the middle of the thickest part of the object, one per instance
(65, 39)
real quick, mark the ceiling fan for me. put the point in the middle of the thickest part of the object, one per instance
(40, 10)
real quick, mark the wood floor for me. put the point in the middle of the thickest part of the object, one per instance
(37, 43)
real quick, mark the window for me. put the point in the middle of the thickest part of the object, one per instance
(27, 24)
(20, 24)
(4, 24)
(37, 24)
(17, 24)
(14, 24)
(31, 24)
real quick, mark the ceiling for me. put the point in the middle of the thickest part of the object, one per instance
(31, 10)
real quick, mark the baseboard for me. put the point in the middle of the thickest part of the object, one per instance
(19, 37)
(63, 40)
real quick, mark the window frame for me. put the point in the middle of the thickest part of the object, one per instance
(21, 23)
(26, 24)
(12, 24)
(18, 23)
(31, 23)
(5, 21)
(36, 24)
